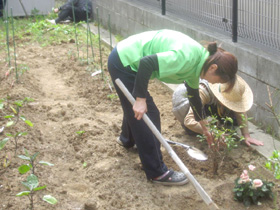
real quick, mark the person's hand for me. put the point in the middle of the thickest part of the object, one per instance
(249, 140)
(139, 108)
(56, 10)
(206, 133)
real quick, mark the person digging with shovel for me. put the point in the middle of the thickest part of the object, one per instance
(171, 57)
(234, 104)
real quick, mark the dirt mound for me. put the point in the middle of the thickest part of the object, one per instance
(90, 170)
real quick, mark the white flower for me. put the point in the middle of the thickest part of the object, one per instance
(257, 183)
(252, 167)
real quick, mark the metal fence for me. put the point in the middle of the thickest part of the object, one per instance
(258, 20)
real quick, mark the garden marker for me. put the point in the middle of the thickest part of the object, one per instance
(170, 151)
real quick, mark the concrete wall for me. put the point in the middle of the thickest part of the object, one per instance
(44, 6)
(259, 67)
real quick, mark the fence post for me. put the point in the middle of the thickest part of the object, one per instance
(234, 20)
(163, 7)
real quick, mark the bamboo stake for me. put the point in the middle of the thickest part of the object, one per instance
(75, 30)
(109, 26)
(88, 28)
(15, 54)
(100, 53)
(87, 32)
(7, 31)
(169, 149)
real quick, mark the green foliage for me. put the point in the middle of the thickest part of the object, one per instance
(32, 181)
(50, 199)
(3, 142)
(273, 164)
(31, 162)
(250, 191)
(16, 108)
(80, 132)
(31, 184)
(112, 96)
(224, 135)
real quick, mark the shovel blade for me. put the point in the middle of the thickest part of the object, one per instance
(197, 154)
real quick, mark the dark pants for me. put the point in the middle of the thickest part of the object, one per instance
(133, 130)
(80, 15)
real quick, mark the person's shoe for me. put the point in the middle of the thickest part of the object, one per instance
(65, 21)
(171, 178)
(51, 21)
(120, 143)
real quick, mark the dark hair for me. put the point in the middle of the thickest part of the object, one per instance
(226, 62)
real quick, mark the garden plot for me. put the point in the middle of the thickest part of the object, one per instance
(76, 119)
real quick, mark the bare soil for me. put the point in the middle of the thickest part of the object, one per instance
(68, 99)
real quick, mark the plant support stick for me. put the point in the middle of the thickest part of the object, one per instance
(99, 43)
(15, 54)
(75, 30)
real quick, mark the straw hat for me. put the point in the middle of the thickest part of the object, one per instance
(239, 99)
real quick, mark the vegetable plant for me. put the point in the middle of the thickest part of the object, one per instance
(31, 165)
(15, 117)
(32, 185)
(16, 137)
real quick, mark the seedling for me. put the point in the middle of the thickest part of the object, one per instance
(112, 96)
(16, 137)
(32, 184)
(273, 164)
(80, 133)
(31, 162)
(16, 116)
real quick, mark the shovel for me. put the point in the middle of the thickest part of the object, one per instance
(192, 151)
(170, 151)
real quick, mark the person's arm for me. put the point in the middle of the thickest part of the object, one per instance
(189, 120)
(245, 131)
(147, 65)
(196, 105)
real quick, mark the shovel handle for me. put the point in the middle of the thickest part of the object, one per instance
(173, 155)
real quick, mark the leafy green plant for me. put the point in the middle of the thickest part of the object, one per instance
(112, 96)
(32, 184)
(13, 119)
(31, 162)
(16, 137)
(225, 138)
(250, 191)
(80, 133)
(273, 163)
